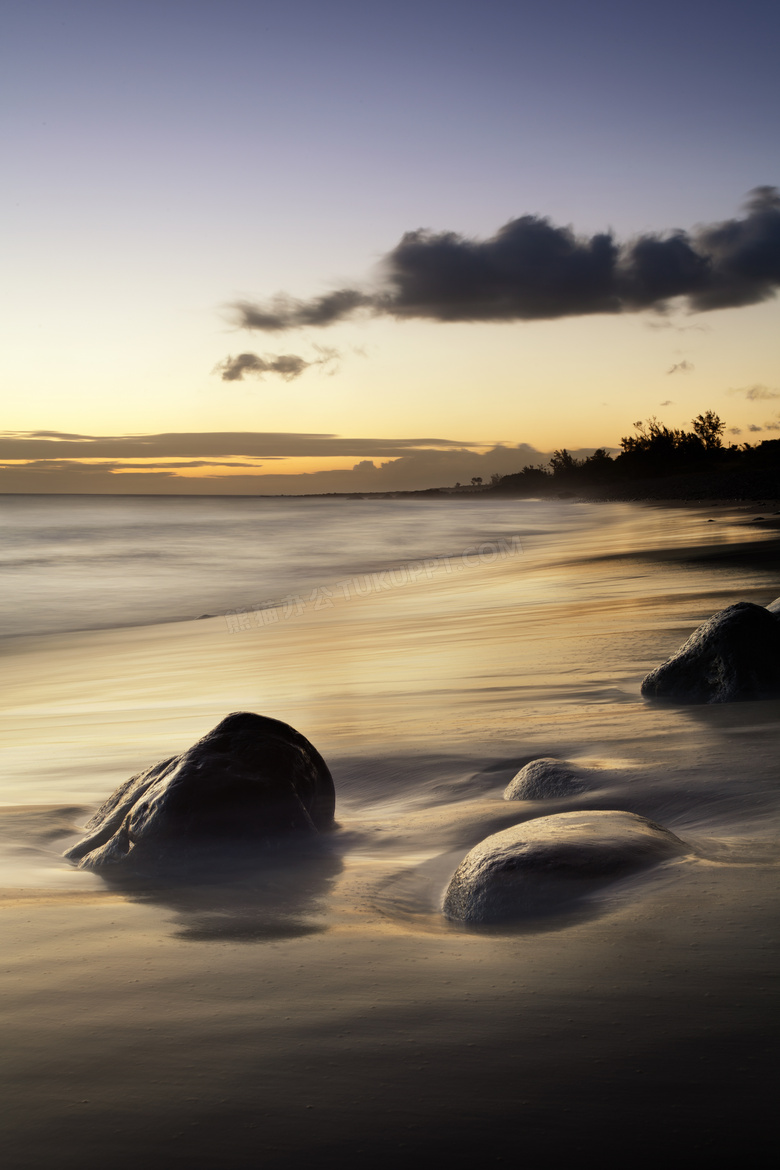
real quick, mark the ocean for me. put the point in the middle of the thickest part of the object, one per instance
(328, 1012)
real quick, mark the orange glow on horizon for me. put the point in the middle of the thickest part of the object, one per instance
(207, 468)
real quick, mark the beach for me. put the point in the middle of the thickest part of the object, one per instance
(319, 1007)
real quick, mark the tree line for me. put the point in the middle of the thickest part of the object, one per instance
(654, 451)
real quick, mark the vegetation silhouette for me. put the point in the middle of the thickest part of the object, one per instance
(657, 461)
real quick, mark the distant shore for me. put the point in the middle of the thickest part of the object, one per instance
(695, 488)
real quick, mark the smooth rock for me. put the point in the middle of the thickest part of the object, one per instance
(545, 779)
(546, 865)
(735, 655)
(250, 782)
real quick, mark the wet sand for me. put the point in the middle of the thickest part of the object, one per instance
(318, 1008)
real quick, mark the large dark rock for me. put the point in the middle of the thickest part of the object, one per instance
(735, 655)
(249, 783)
(547, 865)
(545, 779)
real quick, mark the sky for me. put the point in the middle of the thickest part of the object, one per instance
(340, 246)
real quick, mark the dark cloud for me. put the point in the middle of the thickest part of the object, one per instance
(653, 269)
(528, 270)
(683, 367)
(743, 255)
(753, 427)
(755, 393)
(287, 365)
(285, 312)
(533, 270)
(668, 402)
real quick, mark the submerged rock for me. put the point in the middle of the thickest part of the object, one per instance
(545, 779)
(735, 655)
(545, 865)
(249, 782)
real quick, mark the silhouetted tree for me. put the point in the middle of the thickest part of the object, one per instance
(656, 449)
(653, 450)
(709, 428)
(563, 464)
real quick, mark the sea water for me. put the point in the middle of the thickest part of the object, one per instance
(90, 562)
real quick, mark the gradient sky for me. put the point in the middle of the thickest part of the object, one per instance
(170, 159)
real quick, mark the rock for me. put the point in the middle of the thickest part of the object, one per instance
(545, 779)
(248, 783)
(548, 864)
(735, 655)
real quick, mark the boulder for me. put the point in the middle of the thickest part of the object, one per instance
(735, 655)
(545, 779)
(546, 865)
(249, 783)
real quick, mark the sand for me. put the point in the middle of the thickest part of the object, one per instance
(320, 1010)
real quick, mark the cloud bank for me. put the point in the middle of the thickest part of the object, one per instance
(210, 445)
(382, 465)
(532, 270)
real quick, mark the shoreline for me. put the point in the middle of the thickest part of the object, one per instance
(733, 488)
(739, 513)
(327, 1012)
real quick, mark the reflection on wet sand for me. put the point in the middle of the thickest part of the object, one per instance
(244, 897)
